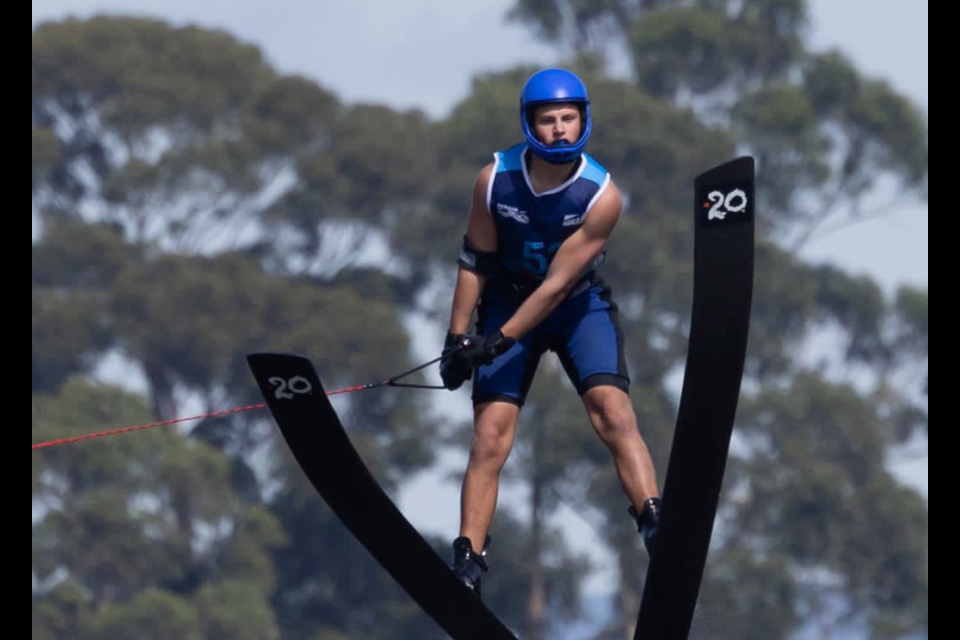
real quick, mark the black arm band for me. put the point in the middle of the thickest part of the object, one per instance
(483, 263)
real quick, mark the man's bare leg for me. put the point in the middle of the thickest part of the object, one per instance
(495, 425)
(614, 420)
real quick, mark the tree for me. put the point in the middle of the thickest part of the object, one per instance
(817, 494)
(72, 271)
(825, 137)
(174, 133)
(126, 531)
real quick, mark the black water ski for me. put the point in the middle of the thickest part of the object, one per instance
(722, 296)
(313, 431)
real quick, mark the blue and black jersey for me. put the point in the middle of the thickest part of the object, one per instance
(532, 226)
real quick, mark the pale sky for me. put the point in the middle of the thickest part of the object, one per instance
(422, 53)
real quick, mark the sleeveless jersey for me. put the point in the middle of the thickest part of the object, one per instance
(531, 226)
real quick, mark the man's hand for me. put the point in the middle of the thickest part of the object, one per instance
(481, 350)
(463, 353)
(454, 369)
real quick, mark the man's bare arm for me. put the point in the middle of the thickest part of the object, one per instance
(570, 263)
(482, 234)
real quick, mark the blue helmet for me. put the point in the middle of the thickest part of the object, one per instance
(554, 85)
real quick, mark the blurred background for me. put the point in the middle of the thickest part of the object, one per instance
(211, 179)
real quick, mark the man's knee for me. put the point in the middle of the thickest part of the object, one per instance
(611, 412)
(493, 434)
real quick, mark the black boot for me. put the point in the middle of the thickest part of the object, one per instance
(468, 565)
(648, 522)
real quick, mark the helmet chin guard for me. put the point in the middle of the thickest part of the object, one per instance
(554, 86)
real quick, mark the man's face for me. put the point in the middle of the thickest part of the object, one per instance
(553, 123)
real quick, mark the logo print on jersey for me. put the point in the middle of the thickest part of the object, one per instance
(509, 211)
(575, 219)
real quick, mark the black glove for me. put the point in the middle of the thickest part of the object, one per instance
(463, 353)
(454, 369)
(481, 350)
